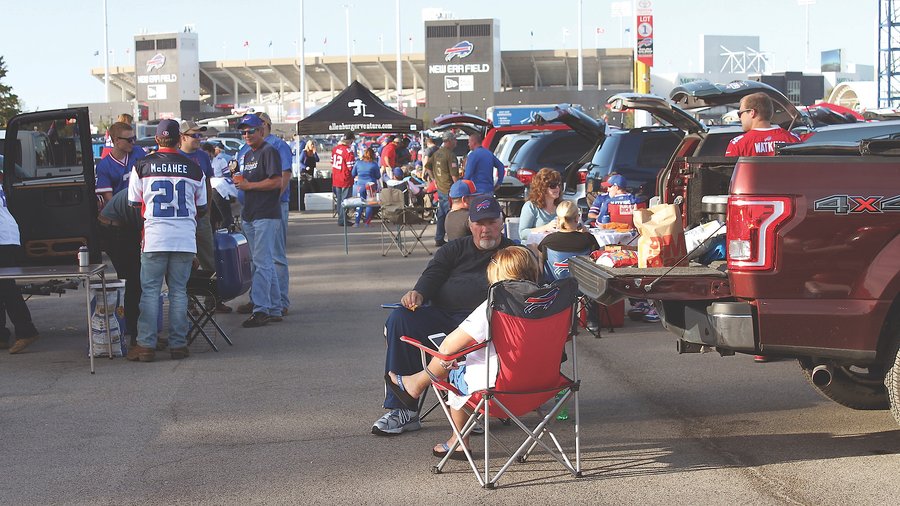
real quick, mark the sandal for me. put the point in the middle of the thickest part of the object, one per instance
(457, 455)
(397, 389)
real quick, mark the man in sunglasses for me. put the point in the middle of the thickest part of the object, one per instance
(760, 136)
(191, 133)
(113, 169)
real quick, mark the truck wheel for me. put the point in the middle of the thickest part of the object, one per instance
(892, 378)
(853, 387)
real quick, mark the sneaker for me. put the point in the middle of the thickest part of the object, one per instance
(139, 353)
(638, 310)
(284, 311)
(162, 343)
(256, 320)
(395, 422)
(245, 308)
(275, 319)
(179, 353)
(22, 343)
(760, 358)
(651, 316)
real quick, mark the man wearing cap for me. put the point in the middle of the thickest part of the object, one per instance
(342, 174)
(114, 169)
(616, 193)
(457, 221)
(170, 189)
(480, 166)
(261, 219)
(444, 169)
(191, 134)
(453, 284)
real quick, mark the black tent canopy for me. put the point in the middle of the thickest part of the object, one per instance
(356, 109)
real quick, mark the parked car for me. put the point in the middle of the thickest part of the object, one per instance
(509, 145)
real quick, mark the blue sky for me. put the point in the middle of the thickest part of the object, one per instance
(49, 45)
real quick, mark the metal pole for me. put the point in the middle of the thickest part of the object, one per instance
(106, 51)
(580, 55)
(399, 63)
(347, 18)
(302, 43)
(806, 55)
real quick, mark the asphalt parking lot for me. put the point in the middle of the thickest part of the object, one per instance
(284, 416)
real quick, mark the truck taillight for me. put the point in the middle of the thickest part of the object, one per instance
(752, 222)
(525, 175)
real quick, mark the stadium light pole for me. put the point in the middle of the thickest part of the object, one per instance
(347, 18)
(399, 66)
(105, 51)
(580, 55)
(302, 43)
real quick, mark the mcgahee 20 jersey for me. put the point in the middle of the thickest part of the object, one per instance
(171, 189)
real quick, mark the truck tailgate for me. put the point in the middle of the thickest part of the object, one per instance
(611, 284)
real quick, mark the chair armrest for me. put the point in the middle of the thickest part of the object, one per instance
(461, 353)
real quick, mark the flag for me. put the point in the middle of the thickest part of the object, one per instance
(246, 43)
(96, 53)
(325, 41)
(270, 43)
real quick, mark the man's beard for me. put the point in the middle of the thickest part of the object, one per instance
(488, 243)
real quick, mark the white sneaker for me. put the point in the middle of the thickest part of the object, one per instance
(395, 422)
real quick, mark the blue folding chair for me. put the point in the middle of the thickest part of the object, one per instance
(556, 267)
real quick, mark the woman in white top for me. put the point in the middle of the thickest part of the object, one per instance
(539, 213)
(513, 262)
(11, 302)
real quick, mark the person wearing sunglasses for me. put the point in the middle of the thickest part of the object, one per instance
(539, 213)
(759, 138)
(191, 133)
(113, 169)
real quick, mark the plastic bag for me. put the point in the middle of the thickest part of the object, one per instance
(661, 243)
(621, 258)
(115, 298)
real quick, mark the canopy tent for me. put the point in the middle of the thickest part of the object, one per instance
(357, 109)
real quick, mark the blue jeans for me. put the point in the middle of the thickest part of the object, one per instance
(341, 194)
(262, 235)
(175, 268)
(440, 215)
(369, 210)
(280, 259)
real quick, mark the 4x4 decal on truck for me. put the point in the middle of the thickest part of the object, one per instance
(849, 204)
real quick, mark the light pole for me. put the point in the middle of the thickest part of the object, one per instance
(580, 56)
(302, 43)
(347, 17)
(105, 51)
(806, 3)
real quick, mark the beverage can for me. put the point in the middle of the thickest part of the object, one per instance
(237, 177)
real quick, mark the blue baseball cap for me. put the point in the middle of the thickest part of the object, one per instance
(250, 120)
(462, 188)
(168, 128)
(615, 180)
(484, 207)
(398, 172)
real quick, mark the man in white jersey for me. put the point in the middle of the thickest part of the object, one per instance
(170, 189)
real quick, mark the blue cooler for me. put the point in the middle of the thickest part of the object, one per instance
(232, 264)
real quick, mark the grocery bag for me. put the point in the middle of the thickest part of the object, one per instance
(115, 300)
(661, 242)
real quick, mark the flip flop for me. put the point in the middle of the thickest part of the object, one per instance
(457, 455)
(397, 389)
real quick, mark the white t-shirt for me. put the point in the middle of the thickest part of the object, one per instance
(478, 362)
(9, 229)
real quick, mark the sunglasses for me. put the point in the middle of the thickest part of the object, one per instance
(742, 111)
(194, 136)
(127, 139)
(249, 131)
(553, 186)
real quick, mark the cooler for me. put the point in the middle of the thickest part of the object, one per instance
(616, 315)
(232, 264)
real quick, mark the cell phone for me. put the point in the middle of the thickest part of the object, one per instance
(437, 339)
(393, 305)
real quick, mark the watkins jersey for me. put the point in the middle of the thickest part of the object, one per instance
(341, 166)
(112, 174)
(759, 142)
(171, 189)
(9, 229)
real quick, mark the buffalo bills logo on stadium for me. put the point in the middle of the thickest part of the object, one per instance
(460, 50)
(484, 204)
(156, 62)
(541, 301)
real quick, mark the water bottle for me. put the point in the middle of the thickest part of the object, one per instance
(83, 256)
(563, 413)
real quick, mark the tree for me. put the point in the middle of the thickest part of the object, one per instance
(9, 101)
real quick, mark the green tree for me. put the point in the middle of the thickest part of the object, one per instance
(9, 101)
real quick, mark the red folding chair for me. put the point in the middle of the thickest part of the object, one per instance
(529, 328)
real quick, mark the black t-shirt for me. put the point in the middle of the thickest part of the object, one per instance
(568, 241)
(259, 165)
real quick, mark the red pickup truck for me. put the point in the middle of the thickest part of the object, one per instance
(812, 269)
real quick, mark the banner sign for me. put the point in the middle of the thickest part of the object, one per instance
(645, 40)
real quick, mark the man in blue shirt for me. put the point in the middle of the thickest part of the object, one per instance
(113, 169)
(480, 165)
(191, 133)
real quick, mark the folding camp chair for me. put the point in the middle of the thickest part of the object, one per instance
(401, 222)
(529, 327)
(203, 284)
(557, 267)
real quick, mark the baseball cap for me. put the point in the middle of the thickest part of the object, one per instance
(348, 136)
(614, 180)
(250, 120)
(265, 118)
(448, 136)
(484, 207)
(188, 126)
(462, 188)
(398, 172)
(168, 128)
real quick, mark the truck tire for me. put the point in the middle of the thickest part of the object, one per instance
(892, 378)
(855, 388)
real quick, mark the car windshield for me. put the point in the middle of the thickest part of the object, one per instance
(604, 156)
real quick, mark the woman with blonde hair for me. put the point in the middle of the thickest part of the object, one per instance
(539, 213)
(570, 235)
(510, 263)
(308, 159)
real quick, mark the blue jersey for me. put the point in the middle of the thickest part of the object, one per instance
(202, 159)
(112, 174)
(480, 165)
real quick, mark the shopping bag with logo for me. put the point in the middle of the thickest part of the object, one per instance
(115, 300)
(661, 242)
